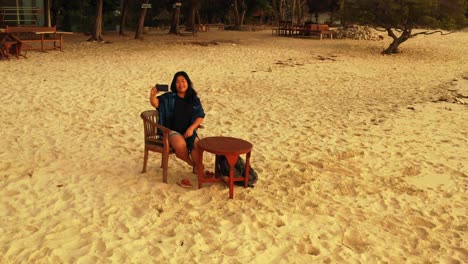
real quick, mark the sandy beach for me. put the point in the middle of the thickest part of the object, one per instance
(362, 158)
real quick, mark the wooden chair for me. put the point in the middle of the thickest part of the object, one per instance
(9, 43)
(155, 142)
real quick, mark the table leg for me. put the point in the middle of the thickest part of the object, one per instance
(217, 173)
(200, 167)
(61, 42)
(19, 49)
(232, 160)
(247, 170)
(42, 42)
(7, 50)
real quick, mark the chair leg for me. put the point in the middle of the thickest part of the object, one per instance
(164, 163)
(145, 160)
(61, 42)
(7, 51)
(17, 53)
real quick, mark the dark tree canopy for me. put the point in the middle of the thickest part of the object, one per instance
(400, 18)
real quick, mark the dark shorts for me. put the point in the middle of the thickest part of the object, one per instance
(189, 141)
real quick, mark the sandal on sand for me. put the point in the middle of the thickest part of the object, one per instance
(209, 175)
(185, 183)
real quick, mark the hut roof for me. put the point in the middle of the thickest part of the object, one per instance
(163, 15)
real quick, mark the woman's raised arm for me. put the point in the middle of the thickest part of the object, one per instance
(153, 99)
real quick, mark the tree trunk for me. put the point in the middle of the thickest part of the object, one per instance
(293, 18)
(275, 9)
(300, 13)
(393, 48)
(54, 12)
(282, 10)
(278, 7)
(47, 13)
(97, 31)
(175, 19)
(344, 17)
(191, 19)
(244, 11)
(236, 15)
(141, 21)
(123, 18)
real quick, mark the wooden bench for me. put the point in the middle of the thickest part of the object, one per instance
(200, 28)
(9, 44)
(321, 30)
(284, 28)
(37, 38)
(184, 30)
(219, 26)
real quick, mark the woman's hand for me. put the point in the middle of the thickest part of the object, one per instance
(153, 91)
(188, 133)
(153, 99)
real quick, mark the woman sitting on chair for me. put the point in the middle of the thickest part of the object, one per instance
(182, 112)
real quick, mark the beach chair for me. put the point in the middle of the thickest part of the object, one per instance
(155, 142)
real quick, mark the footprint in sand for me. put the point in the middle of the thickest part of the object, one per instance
(67, 195)
(353, 239)
(307, 249)
(421, 222)
(305, 246)
(279, 223)
(136, 212)
(421, 233)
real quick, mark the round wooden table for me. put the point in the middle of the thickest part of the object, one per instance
(231, 148)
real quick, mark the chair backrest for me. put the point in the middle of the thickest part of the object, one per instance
(285, 24)
(323, 27)
(314, 27)
(150, 119)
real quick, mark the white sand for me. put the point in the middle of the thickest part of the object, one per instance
(348, 173)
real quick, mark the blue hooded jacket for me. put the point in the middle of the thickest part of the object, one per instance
(166, 114)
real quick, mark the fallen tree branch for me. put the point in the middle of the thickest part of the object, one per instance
(432, 32)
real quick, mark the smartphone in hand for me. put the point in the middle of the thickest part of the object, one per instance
(162, 87)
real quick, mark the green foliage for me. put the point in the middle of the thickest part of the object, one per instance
(214, 11)
(404, 14)
(453, 15)
(400, 17)
(75, 16)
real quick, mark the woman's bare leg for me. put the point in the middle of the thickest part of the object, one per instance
(178, 143)
(195, 155)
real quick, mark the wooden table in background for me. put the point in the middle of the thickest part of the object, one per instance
(7, 42)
